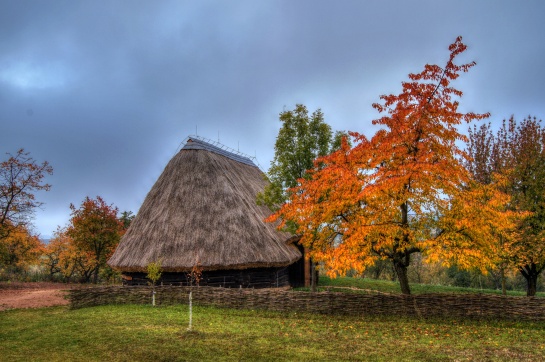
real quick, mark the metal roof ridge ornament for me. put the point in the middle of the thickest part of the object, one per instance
(194, 142)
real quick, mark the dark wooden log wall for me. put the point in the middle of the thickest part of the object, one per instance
(246, 278)
(296, 270)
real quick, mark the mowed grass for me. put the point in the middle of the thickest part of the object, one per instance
(145, 333)
(387, 286)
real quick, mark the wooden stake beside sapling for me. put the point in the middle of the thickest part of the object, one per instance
(193, 277)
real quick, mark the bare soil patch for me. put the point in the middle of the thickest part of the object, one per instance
(33, 295)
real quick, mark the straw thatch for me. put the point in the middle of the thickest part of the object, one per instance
(202, 211)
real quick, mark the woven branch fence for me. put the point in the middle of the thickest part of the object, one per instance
(481, 306)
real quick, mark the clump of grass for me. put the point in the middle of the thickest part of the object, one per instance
(141, 332)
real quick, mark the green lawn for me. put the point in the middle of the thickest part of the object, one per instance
(387, 286)
(144, 333)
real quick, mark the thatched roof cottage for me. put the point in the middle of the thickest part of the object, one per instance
(202, 212)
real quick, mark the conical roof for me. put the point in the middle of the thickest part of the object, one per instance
(202, 210)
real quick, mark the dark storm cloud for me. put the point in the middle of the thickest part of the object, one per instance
(107, 91)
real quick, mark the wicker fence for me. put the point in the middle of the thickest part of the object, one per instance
(356, 304)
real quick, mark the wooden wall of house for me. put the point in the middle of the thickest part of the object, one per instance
(297, 270)
(246, 278)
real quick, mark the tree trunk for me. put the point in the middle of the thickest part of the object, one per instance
(530, 273)
(95, 275)
(402, 259)
(532, 286)
(503, 288)
(307, 268)
(313, 281)
(87, 275)
(401, 271)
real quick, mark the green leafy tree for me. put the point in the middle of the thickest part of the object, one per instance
(338, 139)
(301, 139)
(126, 218)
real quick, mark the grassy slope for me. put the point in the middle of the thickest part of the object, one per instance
(393, 287)
(142, 333)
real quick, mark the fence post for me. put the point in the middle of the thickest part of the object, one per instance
(190, 310)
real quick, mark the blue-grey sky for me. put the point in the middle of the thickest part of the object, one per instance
(107, 90)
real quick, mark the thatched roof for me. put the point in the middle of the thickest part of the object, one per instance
(203, 210)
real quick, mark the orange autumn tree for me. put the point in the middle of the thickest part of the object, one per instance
(95, 231)
(403, 191)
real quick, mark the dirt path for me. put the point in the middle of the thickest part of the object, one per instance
(32, 295)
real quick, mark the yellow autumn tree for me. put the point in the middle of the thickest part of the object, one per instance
(19, 250)
(517, 154)
(403, 191)
(61, 257)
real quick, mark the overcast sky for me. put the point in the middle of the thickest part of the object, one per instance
(106, 91)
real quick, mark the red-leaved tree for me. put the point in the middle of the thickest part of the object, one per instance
(95, 231)
(20, 177)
